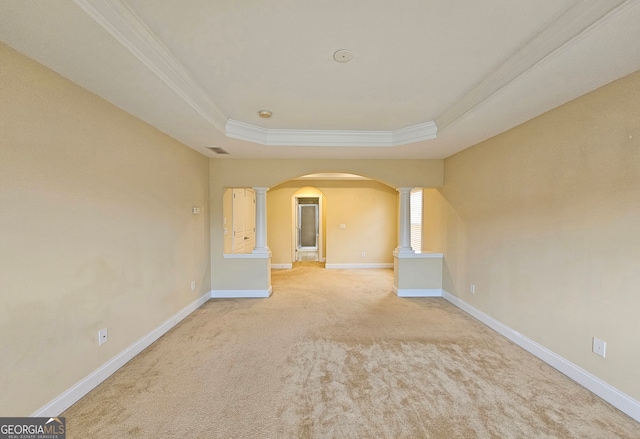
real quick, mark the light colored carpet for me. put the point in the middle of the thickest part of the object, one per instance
(335, 354)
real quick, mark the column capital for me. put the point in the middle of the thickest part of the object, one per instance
(260, 189)
(405, 190)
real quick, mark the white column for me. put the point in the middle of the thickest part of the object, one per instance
(404, 221)
(261, 220)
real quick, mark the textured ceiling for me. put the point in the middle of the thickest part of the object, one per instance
(428, 79)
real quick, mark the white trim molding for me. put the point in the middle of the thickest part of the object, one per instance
(119, 19)
(418, 255)
(281, 266)
(241, 294)
(562, 33)
(284, 137)
(81, 388)
(265, 255)
(419, 292)
(349, 266)
(605, 391)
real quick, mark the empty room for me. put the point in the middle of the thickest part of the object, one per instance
(410, 219)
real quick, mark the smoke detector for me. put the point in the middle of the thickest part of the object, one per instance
(343, 55)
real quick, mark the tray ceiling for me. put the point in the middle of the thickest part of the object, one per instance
(427, 78)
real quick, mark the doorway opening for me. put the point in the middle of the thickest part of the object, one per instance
(307, 229)
(307, 215)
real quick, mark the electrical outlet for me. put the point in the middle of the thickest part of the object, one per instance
(103, 336)
(193, 285)
(472, 288)
(599, 347)
(364, 254)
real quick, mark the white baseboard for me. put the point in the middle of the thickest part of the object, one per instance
(80, 389)
(241, 294)
(610, 394)
(420, 292)
(281, 266)
(346, 266)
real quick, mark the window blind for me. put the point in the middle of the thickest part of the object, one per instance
(415, 207)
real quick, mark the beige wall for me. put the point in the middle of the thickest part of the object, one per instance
(277, 210)
(434, 221)
(248, 274)
(545, 221)
(418, 273)
(96, 231)
(272, 172)
(369, 210)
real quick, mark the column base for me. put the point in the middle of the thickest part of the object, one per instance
(404, 250)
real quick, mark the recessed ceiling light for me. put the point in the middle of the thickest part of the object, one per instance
(343, 55)
(266, 114)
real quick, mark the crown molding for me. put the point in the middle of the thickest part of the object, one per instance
(117, 18)
(283, 137)
(415, 133)
(562, 33)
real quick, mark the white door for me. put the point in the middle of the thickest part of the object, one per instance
(244, 220)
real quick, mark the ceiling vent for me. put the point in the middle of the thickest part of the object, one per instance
(218, 150)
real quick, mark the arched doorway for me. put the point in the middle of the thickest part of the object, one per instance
(353, 221)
